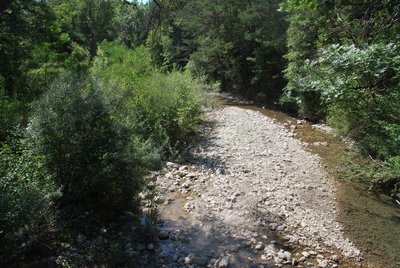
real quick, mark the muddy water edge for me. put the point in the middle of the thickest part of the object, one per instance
(371, 219)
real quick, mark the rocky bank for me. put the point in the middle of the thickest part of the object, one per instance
(250, 196)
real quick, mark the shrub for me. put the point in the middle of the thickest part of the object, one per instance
(27, 197)
(11, 112)
(360, 87)
(162, 109)
(167, 108)
(90, 153)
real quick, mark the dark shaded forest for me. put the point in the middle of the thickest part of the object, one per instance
(96, 93)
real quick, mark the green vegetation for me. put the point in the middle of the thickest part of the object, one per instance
(237, 43)
(343, 67)
(95, 93)
(84, 116)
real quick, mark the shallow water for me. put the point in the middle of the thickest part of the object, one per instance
(371, 220)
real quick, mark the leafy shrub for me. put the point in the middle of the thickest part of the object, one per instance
(163, 109)
(167, 107)
(384, 174)
(90, 153)
(360, 87)
(11, 112)
(27, 196)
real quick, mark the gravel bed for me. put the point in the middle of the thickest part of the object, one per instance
(248, 178)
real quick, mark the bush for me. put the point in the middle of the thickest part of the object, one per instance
(11, 112)
(90, 153)
(360, 87)
(27, 197)
(382, 174)
(163, 109)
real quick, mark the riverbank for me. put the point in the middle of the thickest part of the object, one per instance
(252, 195)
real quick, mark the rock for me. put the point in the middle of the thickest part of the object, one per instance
(273, 226)
(188, 260)
(171, 165)
(281, 228)
(323, 263)
(335, 258)
(159, 200)
(223, 263)
(287, 255)
(312, 252)
(150, 247)
(151, 186)
(277, 260)
(259, 246)
(183, 168)
(191, 175)
(163, 235)
(305, 254)
(295, 262)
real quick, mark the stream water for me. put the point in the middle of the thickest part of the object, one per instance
(371, 219)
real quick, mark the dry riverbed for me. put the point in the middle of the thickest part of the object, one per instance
(250, 196)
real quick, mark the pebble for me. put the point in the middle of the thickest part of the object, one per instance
(150, 247)
(223, 263)
(305, 254)
(232, 193)
(163, 235)
(259, 246)
(188, 260)
(323, 263)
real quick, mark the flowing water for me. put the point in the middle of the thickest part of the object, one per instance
(371, 219)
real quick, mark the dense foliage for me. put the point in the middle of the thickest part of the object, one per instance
(84, 116)
(343, 67)
(238, 43)
(89, 152)
(163, 109)
(27, 199)
(95, 93)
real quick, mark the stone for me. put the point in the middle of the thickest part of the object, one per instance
(287, 255)
(163, 235)
(150, 247)
(305, 254)
(188, 260)
(277, 260)
(312, 252)
(273, 226)
(223, 263)
(323, 263)
(335, 258)
(259, 246)
(281, 228)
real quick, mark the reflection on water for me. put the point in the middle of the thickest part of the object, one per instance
(371, 220)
